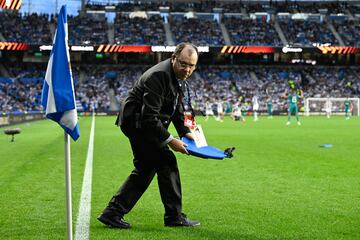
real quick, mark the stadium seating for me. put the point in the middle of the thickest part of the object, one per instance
(139, 31)
(202, 23)
(31, 29)
(208, 82)
(251, 32)
(87, 30)
(306, 32)
(349, 31)
(195, 22)
(201, 32)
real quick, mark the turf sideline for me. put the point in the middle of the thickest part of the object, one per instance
(83, 219)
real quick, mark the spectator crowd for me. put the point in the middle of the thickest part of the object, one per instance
(101, 85)
(231, 24)
(210, 23)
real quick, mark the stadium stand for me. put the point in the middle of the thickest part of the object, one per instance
(205, 23)
(32, 29)
(209, 82)
(349, 31)
(87, 30)
(304, 24)
(200, 31)
(147, 30)
(252, 32)
(307, 32)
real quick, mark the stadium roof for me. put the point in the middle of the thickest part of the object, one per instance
(50, 6)
(73, 6)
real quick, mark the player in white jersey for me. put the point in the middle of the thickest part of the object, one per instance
(220, 110)
(255, 107)
(328, 107)
(208, 110)
(236, 112)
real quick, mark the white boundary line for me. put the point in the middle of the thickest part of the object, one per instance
(83, 219)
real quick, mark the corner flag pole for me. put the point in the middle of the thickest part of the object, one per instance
(58, 98)
(68, 187)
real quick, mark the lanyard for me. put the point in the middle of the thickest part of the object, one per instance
(189, 99)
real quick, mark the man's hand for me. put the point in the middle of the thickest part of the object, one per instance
(178, 146)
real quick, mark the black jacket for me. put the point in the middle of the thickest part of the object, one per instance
(153, 103)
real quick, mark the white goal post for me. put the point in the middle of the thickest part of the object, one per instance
(317, 106)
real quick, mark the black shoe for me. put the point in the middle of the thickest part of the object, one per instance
(113, 220)
(180, 221)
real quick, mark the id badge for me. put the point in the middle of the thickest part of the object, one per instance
(198, 135)
(189, 120)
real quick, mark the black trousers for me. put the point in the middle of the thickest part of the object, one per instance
(149, 159)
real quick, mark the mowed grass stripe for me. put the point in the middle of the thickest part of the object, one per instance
(32, 180)
(279, 185)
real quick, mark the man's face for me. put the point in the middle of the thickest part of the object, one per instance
(184, 64)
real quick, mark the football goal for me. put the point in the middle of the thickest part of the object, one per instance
(318, 106)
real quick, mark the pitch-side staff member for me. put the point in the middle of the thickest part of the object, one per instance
(152, 104)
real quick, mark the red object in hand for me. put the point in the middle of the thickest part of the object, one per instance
(189, 120)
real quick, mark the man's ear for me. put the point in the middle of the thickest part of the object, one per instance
(173, 58)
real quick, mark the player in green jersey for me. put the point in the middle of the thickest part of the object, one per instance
(293, 98)
(269, 106)
(348, 108)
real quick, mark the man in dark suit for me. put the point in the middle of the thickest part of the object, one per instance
(154, 102)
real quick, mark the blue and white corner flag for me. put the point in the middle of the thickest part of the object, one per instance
(58, 96)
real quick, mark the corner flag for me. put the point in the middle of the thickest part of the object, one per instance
(58, 97)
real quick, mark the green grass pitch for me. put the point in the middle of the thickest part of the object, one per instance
(279, 185)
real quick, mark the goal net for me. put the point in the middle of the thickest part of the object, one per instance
(319, 106)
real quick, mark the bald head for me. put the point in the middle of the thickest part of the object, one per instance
(184, 60)
(188, 51)
(188, 48)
